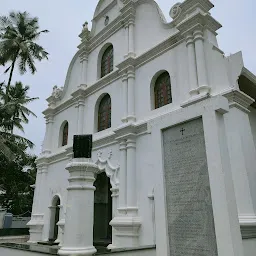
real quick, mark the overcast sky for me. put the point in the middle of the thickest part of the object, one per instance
(64, 19)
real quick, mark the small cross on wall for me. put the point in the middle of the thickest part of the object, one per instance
(182, 131)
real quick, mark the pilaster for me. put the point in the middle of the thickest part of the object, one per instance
(192, 65)
(132, 208)
(36, 223)
(227, 229)
(47, 145)
(123, 175)
(115, 196)
(84, 65)
(242, 154)
(61, 224)
(80, 115)
(131, 94)
(127, 223)
(200, 62)
(129, 12)
(125, 97)
(192, 19)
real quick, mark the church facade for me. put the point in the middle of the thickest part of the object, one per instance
(135, 76)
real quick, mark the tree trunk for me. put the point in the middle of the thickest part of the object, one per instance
(10, 79)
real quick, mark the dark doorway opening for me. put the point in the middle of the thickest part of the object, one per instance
(102, 231)
(55, 217)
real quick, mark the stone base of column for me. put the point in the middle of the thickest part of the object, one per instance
(127, 231)
(193, 92)
(61, 225)
(36, 225)
(131, 119)
(130, 55)
(194, 100)
(205, 89)
(77, 251)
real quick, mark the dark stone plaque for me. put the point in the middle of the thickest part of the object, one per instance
(188, 197)
(82, 146)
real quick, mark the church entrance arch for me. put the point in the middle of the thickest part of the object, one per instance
(54, 219)
(102, 231)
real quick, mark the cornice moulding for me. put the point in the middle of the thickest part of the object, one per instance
(189, 5)
(198, 19)
(239, 99)
(247, 73)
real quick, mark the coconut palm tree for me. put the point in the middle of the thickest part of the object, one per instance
(9, 142)
(18, 35)
(12, 115)
(16, 111)
(18, 95)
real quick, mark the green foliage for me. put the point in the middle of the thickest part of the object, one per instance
(15, 180)
(18, 35)
(16, 194)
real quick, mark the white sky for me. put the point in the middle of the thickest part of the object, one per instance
(64, 19)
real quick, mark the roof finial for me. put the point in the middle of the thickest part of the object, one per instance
(85, 26)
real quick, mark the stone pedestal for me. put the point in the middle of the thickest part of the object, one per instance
(78, 237)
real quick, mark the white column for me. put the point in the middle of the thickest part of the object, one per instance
(126, 39)
(131, 39)
(43, 199)
(36, 223)
(37, 191)
(125, 98)
(78, 236)
(48, 135)
(131, 95)
(131, 177)
(43, 186)
(60, 226)
(83, 72)
(123, 176)
(192, 65)
(200, 61)
(115, 194)
(80, 116)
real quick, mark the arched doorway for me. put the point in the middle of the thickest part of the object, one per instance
(102, 231)
(55, 217)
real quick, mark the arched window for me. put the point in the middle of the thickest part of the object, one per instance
(107, 61)
(65, 135)
(104, 113)
(163, 90)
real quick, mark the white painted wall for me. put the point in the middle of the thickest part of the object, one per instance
(222, 74)
(252, 116)
(249, 247)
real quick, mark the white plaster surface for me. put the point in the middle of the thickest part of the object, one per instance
(136, 146)
(249, 247)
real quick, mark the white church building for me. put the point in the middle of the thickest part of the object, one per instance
(174, 135)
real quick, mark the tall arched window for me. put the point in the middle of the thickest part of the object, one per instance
(65, 135)
(107, 61)
(163, 90)
(104, 113)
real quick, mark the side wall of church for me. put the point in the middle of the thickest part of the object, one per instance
(252, 116)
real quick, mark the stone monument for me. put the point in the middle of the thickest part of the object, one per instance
(78, 238)
(188, 196)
